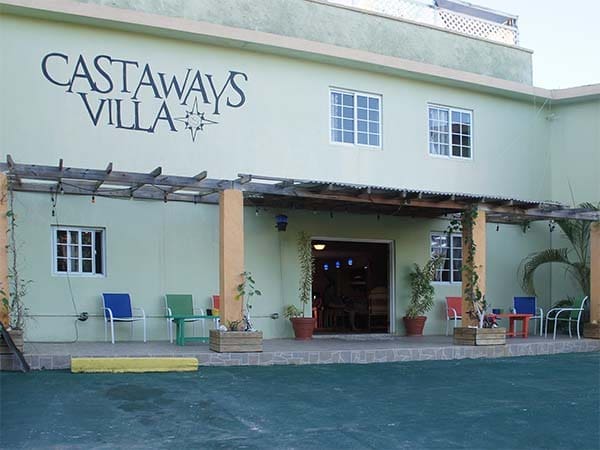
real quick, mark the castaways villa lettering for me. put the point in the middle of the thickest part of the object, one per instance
(130, 95)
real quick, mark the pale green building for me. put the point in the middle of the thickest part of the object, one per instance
(333, 92)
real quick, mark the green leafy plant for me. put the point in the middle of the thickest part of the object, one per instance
(292, 311)
(247, 289)
(422, 295)
(307, 270)
(234, 325)
(575, 259)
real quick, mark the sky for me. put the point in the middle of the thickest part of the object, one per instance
(564, 35)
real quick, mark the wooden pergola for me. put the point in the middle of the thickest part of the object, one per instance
(279, 194)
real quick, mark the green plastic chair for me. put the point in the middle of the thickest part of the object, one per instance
(575, 313)
(181, 305)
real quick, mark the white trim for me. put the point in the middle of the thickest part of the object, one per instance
(391, 267)
(80, 229)
(451, 257)
(355, 93)
(450, 110)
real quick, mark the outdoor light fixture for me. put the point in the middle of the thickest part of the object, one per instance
(319, 247)
(325, 266)
(350, 261)
(337, 264)
(281, 222)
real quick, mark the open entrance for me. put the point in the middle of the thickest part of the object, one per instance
(351, 286)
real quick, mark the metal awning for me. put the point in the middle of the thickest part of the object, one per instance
(279, 193)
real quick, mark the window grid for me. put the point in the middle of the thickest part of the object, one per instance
(355, 118)
(75, 251)
(450, 247)
(450, 132)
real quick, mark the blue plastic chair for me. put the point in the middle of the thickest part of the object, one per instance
(527, 305)
(117, 308)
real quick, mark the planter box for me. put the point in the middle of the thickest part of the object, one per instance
(17, 337)
(479, 336)
(235, 341)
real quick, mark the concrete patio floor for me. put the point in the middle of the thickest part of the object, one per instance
(321, 350)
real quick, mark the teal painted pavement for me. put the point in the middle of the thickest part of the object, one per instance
(549, 402)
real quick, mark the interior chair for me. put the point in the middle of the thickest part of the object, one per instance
(117, 308)
(216, 308)
(527, 305)
(575, 313)
(379, 302)
(453, 311)
(181, 305)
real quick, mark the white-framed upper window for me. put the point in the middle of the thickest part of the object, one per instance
(355, 118)
(78, 251)
(450, 132)
(450, 247)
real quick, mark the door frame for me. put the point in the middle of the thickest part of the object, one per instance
(391, 269)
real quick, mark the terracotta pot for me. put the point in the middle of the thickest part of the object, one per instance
(303, 327)
(414, 325)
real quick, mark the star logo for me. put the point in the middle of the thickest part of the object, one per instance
(194, 120)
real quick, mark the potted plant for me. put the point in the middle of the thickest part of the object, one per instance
(422, 296)
(239, 336)
(303, 326)
(11, 296)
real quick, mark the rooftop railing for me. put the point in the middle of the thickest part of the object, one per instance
(427, 12)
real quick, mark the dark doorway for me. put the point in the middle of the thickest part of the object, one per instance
(351, 286)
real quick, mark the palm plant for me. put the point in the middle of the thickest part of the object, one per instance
(575, 259)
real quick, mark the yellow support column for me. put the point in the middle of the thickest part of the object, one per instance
(592, 329)
(231, 252)
(476, 232)
(4, 310)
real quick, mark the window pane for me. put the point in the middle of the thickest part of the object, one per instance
(443, 115)
(86, 251)
(456, 276)
(373, 127)
(374, 139)
(457, 241)
(374, 115)
(74, 251)
(336, 123)
(61, 236)
(349, 112)
(456, 150)
(336, 111)
(348, 124)
(455, 117)
(466, 118)
(86, 237)
(86, 266)
(348, 100)
(349, 137)
(61, 250)
(466, 129)
(456, 139)
(99, 261)
(456, 128)
(74, 237)
(361, 101)
(434, 149)
(466, 153)
(444, 149)
(362, 114)
(432, 113)
(74, 265)
(466, 141)
(362, 126)
(363, 139)
(373, 103)
(336, 136)
(61, 265)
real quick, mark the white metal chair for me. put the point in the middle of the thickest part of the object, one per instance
(117, 308)
(575, 314)
(453, 311)
(527, 305)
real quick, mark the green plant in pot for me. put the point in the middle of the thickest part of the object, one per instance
(422, 295)
(303, 326)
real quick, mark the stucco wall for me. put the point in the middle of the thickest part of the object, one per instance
(281, 130)
(332, 24)
(154, 248)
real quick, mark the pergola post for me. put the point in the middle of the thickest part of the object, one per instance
(592, 329)
(477, 233)
(231, 253)
(4, 309)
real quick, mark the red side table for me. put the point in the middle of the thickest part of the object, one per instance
(512, 318)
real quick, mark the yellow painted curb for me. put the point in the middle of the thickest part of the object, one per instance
(135, 365)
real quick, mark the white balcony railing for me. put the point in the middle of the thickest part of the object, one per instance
(427, 12)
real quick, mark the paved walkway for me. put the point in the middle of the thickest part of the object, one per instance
(323, 350)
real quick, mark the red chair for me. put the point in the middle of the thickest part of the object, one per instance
(453, 311)
(216, 302)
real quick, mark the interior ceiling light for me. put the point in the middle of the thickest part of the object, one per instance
(319, 247)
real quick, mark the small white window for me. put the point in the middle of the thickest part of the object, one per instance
(78, 251)
(355, 118)
(450, 247)
(450, 132)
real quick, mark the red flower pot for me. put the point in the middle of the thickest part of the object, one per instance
(414, 325)
(303, 327)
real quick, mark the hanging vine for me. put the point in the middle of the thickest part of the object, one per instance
(471, 291)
